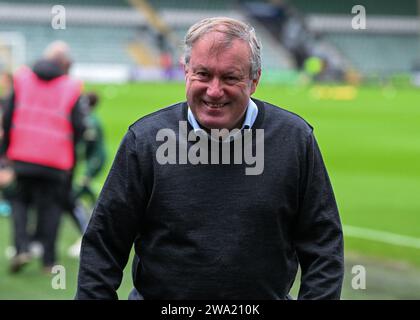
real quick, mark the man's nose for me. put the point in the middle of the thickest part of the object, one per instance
(215, 88)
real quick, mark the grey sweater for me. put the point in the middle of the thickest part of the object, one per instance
(210, 231)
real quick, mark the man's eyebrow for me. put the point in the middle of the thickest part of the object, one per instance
(200, 66)
(229, 71)
(233, 71)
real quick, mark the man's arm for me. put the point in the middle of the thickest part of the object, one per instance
(9, 108)
(114, 225)
(318, 231)
(78, 121)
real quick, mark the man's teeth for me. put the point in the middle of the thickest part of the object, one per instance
(214, 105)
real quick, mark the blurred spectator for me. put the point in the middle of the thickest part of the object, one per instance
(166, 64)
(6, 172)
(313, 67)
(6, 86)
(94, 148)
(42, 123)
(94, 157)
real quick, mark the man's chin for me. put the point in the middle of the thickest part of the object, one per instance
(214, 125)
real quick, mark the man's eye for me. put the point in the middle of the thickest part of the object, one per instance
(231, 79)
(202, 74)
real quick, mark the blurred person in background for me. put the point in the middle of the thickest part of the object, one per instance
(81, 198)
(93, 148)
(94, 157)
(42, 124)
(6, 87)
(211, 231)
(6, 171)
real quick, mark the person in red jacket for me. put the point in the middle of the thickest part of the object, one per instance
(42, 124)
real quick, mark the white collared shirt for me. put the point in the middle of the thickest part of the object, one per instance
(250, 117)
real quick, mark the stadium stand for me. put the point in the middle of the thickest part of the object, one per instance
(89, 43)
(121, 32)
(373, 7)
(193, 5)
(97, 3)
(133, 34)
(379, 53)
(390, 43)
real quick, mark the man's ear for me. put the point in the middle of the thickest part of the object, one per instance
(255, 82)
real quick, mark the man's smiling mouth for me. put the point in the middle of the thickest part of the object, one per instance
(214, 105)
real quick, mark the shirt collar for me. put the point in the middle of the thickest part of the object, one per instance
(250, 117)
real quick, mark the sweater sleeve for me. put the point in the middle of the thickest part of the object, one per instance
(318, 236)
(113, 227)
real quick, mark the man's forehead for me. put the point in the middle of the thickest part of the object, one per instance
(209, 67)
(213, 33)
(218, 40)
(216, 46)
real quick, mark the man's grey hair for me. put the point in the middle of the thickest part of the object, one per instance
(232, 29)
(57, 50)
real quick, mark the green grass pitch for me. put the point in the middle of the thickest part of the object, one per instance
(370, 144)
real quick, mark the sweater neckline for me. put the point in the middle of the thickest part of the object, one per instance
(257, 123)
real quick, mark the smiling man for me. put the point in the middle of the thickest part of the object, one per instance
(205, 229)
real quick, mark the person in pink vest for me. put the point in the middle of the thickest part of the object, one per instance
(42, 124)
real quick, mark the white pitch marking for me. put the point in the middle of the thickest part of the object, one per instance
(381, 236)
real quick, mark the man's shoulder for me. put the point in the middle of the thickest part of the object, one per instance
(166, 117)
(282, 117)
